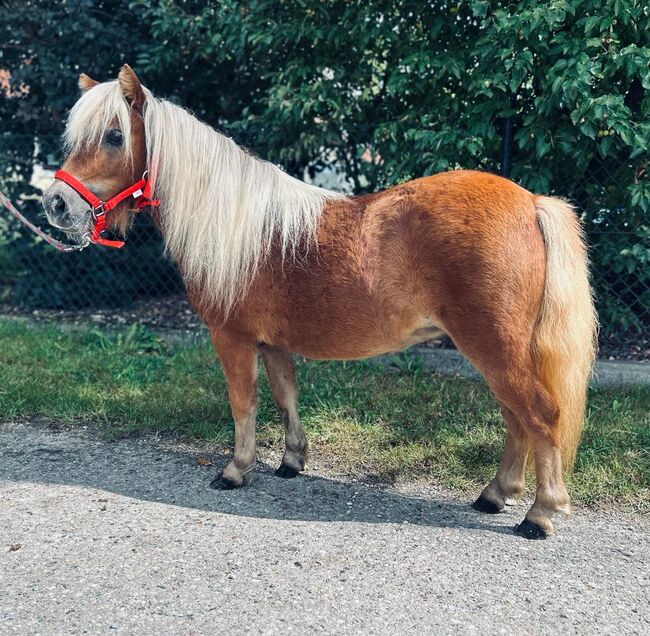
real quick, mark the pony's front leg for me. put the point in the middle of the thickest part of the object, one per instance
(282, 378)
(238, 358)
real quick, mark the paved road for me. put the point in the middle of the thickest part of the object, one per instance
(607, 373)
(126, 538)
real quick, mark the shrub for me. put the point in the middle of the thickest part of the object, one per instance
(553, 94)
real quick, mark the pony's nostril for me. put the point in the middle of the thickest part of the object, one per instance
(58, 205)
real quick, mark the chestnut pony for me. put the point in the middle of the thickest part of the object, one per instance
(275, 267)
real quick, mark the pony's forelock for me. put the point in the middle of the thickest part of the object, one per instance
(98, 109)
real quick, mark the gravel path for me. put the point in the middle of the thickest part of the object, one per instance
(126, 538)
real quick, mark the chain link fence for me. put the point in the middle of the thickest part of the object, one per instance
(35, 277)
(618, 232)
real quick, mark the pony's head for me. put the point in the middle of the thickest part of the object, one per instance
(106, 152)
(221, 209)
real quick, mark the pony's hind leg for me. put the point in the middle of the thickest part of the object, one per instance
(524, 394)
(532, 416)
(541, 415)
(510, 478)
(282, 378)
(239, 361)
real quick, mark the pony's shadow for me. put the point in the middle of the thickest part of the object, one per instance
(158, 471)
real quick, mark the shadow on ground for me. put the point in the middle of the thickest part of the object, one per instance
(157, 470)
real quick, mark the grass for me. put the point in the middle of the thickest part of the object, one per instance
(400, 422)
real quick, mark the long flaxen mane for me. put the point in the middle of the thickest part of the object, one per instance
(221, 209)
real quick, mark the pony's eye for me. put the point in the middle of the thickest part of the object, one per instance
(114, 138)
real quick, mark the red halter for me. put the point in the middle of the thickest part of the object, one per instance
(140, 191)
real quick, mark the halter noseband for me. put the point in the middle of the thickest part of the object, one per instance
(140, 191)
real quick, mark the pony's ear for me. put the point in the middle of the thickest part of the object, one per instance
(86, 83)
(131, 87)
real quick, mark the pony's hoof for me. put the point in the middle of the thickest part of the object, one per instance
(286, 472)
(530, 530)
(483, 504)
(223, 483)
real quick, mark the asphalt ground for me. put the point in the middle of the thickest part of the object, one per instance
(126, 537)
(607, 373)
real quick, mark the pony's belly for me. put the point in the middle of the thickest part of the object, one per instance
(410, 338)
(423, 334)
(370, 343)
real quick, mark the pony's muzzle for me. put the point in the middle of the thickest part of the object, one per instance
(65, 209)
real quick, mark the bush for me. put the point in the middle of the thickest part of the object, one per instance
(553, 94)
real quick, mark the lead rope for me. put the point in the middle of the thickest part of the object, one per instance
(62, 247)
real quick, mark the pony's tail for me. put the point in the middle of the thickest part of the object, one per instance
(565, 336)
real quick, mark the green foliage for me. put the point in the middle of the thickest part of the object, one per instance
(45, 44)
(388, 90)
(136, 339)
(426, 85)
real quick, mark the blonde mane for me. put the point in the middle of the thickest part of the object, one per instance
(221, 209)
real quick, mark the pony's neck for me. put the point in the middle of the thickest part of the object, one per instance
(221, 208)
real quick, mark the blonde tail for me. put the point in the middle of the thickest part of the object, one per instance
(565, 337)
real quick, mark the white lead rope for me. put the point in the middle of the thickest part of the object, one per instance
(62, 247)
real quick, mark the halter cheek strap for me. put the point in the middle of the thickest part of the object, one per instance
(140, 191)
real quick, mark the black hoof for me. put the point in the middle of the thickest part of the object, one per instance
(286, 472)
(483, 504)
(530, 530)
(223, 483)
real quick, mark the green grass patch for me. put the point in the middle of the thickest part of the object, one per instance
(384, 422)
